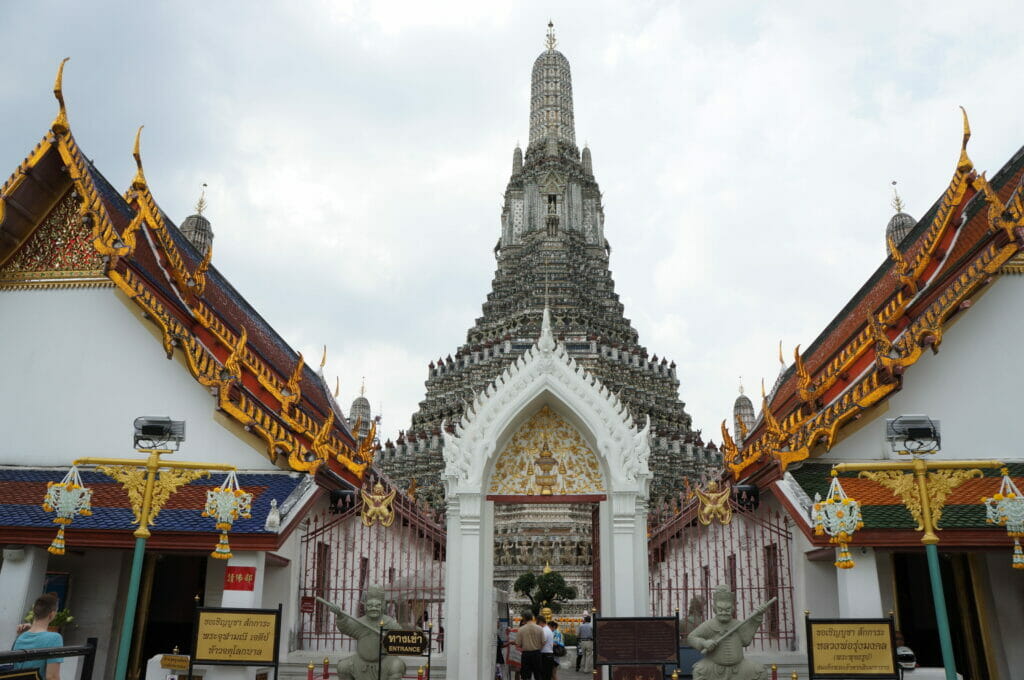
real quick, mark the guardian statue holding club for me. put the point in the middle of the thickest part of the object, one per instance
(722, 638)
(369, 658)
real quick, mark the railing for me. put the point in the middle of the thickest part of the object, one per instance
(342, 557)
(88, 651)
(751, 555)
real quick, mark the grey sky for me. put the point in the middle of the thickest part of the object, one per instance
(356, 153)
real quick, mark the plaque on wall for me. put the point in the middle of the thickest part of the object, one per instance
(636, 640)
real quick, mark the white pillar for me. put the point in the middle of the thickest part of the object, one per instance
(464, 627)
(21, 582)
(627, 557)
(249, 599)
(857, 588)
(246, 599)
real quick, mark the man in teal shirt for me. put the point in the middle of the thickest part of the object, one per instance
(39, 637)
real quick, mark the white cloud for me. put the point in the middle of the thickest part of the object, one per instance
(356, 153)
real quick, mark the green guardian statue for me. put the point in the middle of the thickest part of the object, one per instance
(363, 665)
(722, 638)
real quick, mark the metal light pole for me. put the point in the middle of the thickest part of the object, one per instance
(919, 493)
(147, 493)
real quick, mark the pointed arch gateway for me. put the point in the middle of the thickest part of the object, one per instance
(544, 382)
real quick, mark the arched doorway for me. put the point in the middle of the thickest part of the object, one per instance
(545, 377)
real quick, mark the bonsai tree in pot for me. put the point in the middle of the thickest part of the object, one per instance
(547, 589)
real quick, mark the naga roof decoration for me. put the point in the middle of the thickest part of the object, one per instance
(256, 378)
(859, 360)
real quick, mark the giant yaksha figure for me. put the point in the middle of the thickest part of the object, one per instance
(366, 630)
(722, 639)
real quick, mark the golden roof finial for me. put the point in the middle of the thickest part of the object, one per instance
(60, 123)
(551, 42)
(323, 359)
(201, 203)
(967, 127)
(337, 386)
(897, 202)
(139, 182)
(781, 360)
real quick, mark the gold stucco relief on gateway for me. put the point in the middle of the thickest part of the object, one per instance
(546, 456)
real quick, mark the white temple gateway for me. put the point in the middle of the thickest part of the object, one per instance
(549, 439)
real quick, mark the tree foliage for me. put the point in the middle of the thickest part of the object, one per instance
(544, 590)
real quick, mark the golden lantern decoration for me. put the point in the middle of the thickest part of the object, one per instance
(68, 497)
(226, 503)
(838, 516)
(1006, 509)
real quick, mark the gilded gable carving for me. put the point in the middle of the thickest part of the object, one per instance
(60, 249)
(546, 456)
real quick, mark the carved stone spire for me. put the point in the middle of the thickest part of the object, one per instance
(551, 97)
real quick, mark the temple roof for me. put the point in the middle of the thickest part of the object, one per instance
(255, 376)
(882, 510)
(970, 235)
(22, 517)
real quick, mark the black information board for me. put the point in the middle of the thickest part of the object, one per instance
(625, 641)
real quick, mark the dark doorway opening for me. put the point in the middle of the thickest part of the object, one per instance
(917, 619)
(177, 580)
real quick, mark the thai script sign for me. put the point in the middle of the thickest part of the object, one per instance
(405, 642)
(242, 637)
(851, 648)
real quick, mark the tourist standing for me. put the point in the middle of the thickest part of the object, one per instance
(39, 637)
(558, 645)
(585, 650)
(531, 639)
(547, 651)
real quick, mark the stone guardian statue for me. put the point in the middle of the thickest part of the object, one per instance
(366, 630)
(722, 638)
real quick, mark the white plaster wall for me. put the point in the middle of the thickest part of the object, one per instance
(81, 365)
(972, 386)
(96, 576)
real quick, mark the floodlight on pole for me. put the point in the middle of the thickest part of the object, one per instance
(155, 436)
(913, 434)
(158, 432)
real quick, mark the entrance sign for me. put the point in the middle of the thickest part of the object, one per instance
(851, 648)
(405, 642)
(636, 640)
(236, 637)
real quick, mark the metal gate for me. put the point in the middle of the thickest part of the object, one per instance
(342, 557)
(750, 555)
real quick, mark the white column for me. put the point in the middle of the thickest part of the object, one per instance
(857, 588)
(250, 599)
(247, 599)
(464, 627)
(623, 555)
(21, 582)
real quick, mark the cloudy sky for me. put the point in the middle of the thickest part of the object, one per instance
(356, 153)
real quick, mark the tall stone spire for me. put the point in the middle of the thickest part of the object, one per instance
(553, 283)
(551, 97)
